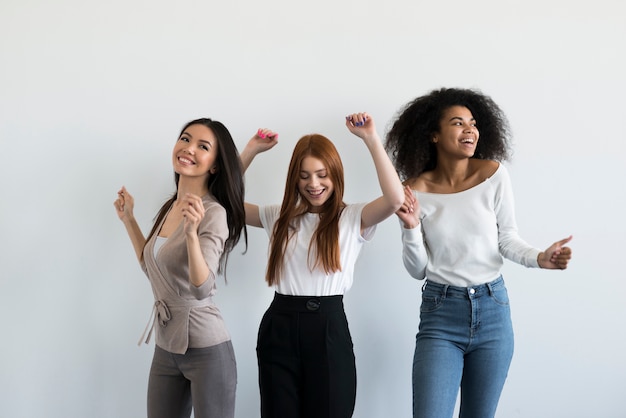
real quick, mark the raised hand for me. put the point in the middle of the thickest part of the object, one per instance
(124, 204)
(192, 210)
(263, 140)
(556, 256)
(362, 125)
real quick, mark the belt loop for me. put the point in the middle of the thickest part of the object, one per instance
(444, 290)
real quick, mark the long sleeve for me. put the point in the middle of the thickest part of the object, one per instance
(414, 255)
(510, 244)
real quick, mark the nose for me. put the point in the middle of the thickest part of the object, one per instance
(314, 181)
(469, 127)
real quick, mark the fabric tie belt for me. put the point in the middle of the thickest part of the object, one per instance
(161, 313)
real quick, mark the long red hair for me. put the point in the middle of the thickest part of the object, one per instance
(324, 243)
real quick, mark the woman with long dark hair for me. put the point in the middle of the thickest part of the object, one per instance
(194, 364)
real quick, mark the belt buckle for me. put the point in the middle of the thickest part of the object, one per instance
(313, 304)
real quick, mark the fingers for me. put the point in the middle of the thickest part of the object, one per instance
(192, 208)
(564, 241)
(357, 119)
(123, 197)
(264, 133)
(263, 140)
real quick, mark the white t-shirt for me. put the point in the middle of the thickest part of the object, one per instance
(298, 278)
(463, 236)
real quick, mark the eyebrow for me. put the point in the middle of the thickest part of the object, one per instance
(460, 118)
(199, 140)
(316, 171)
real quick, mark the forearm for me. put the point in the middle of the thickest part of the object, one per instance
(199, 271)
(390, 184)
(136, 236)
(247, 155)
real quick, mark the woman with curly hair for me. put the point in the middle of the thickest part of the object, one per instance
(305, 355)
(448, 146)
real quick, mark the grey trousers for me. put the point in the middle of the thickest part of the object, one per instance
(202, 378)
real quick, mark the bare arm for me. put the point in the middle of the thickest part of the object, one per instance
(362, 125)
(124, 205)
(262, 141)
(193, 212)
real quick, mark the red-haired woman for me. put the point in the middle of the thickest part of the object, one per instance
(304, 349)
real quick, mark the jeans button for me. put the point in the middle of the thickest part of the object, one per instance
(472, 291)
(313, 304)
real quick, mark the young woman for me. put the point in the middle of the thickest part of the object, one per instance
(447, 145)
(305, 355)
(195, 230)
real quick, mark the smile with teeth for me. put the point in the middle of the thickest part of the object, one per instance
(186, 161)
(315, 193)
(467, 140)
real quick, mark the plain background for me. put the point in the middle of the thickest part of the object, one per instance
(92, 97)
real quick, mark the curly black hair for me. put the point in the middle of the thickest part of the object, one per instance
(409, 141)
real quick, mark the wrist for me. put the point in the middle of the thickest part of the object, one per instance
(410, 226)
(540, 259)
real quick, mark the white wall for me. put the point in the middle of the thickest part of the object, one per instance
(92, 95)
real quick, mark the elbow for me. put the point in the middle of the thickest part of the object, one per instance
(396, 201)
(203, 290)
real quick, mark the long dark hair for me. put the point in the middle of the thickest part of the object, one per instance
(226, 185)
(409, 141)
(325, 241)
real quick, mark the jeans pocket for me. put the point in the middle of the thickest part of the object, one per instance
(431, 301)
(500, 296)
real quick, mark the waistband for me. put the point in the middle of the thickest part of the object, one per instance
(307, 303)
(470, 291)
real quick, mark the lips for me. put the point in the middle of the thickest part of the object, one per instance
(315, 193)
(185, 161)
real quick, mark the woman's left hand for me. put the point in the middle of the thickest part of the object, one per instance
(193, 211)
(556, 256)
(361, 124)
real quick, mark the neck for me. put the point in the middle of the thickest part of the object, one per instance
(196, 186)
(452, 172)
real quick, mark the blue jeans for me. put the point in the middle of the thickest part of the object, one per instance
(465, 340)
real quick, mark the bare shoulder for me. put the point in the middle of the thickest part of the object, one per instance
(484, 169)
(421, 183)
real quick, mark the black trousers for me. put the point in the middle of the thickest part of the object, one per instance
(306, 359)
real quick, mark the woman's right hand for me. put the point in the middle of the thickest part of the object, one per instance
(124, 204)
(409, 212)
(264, 139)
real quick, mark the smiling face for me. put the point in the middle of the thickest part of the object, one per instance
(195, 152)
(314, 183)
(458, 135)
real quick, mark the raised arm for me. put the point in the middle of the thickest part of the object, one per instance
(362, 125)
(262, 141)
(124, 205)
